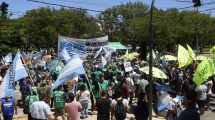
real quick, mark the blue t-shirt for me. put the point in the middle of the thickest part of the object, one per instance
(189, 114)
(8, 107)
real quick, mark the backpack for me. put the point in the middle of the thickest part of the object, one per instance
(120, 113)
(141, 111)
(176, 111)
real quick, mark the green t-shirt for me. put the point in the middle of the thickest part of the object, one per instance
(59, 99)
(29, 100)
(104, 85)
(114, 85)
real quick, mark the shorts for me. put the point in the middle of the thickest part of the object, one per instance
(201, 103)
(59, 110)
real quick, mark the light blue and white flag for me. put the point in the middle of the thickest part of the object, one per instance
(97, 53)
(19, 69)
(38, 55)
(7, 86)
(103, 62)
(65, 55)
(7, 58)
(73, 69)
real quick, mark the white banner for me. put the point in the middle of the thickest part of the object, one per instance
(84, 47)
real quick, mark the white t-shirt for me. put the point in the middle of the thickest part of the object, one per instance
(83, 95)
(40, 110)
(130, 84)
(143, 84)
(124, 101)
(202, 92)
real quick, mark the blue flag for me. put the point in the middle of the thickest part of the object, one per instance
(65, 55)
(19, 70)
(73, 69)
(7, 86)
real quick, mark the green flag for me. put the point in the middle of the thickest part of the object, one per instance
(203, 71)
(192, 55)
(183, 56)
(58, 67)
(212, 50)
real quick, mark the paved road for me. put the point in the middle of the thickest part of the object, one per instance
(209, 115)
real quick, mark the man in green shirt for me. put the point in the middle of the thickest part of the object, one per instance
(103, 84)
(59, 102)
(114, 85)
(29, 100)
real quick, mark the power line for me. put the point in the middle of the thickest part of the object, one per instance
(64, 6)
(87, 3)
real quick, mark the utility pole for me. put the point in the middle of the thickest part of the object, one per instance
(150, 60)
(197, 3)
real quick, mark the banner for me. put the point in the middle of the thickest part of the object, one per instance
(73, 69)
(7, 58)
(84, 47)
(127, 66)
(58, 67)
(203, 71)
(19, 69)
(7, 86)
(183, 56)
(97, 53)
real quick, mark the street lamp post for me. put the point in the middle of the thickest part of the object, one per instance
(150, 60)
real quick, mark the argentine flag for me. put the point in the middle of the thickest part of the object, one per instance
(7, 86)
(7, 58)
(19, 70)
(73, 69)
(65, 55)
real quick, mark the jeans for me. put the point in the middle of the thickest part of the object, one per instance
(84, 112)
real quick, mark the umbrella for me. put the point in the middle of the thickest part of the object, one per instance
(168, 58)
(200, 57)
(155, 71)
(130, 56)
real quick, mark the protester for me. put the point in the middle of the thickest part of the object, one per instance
(119, 106)
(143, 83)
(174, 105)
(41, 110)
(130, 83)
(103, 107)
(83, 96)
(59, 103)
(155, 97)
(29, 100)
(8, 106)
(202, 96)
(141, 111)
(209, 85)
(190, 113)
(72, 108)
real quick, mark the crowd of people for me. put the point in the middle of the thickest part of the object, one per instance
(111, 91)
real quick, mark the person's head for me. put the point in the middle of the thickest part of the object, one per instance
(82, 87)
(191, 98)
(141, 95)
(173, 94)
(118, 93)
(41, 96)
(102, 79)
(71, 97)
(60, 88)
(114, 78)
(127, 74)
(209, 85)
(104, 94)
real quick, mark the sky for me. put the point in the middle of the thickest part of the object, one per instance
(19, 7)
